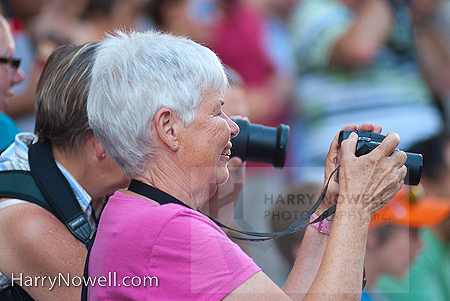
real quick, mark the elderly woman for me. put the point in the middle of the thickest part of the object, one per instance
(155, 105)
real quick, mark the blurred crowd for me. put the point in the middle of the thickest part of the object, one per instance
(315, 65)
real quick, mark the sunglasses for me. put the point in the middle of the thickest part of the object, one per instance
(13, 62)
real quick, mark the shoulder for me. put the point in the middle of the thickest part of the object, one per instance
(8, 124)
(28, 222)
(176, 243)
(138, 211)
(27, 232)
(25, 218)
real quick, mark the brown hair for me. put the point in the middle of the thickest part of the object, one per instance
(61, 96)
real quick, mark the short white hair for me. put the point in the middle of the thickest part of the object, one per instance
(135, 74)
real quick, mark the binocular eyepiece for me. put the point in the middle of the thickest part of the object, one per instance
(258, 143)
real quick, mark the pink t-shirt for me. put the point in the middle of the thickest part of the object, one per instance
(147, 252)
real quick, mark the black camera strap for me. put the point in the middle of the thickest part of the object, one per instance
(163, 198)
(154, 193)
(299, 224)
(57, 191)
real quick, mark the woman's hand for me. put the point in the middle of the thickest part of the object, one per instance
(332, 162)
(368, 182)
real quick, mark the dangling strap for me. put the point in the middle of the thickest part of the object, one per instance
(163, 198)
(299, 224)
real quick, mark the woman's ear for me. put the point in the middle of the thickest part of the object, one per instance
(167, 127)
(100, 151)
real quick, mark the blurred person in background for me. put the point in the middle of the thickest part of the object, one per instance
(276, 17)
(10, 75)
(442, 21)
(429, 276)
(68, 21)
(393, 242)
(196, 19)
(20, 14)
(376, 60)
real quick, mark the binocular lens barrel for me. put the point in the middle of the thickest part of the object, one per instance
(258, 143)
(413, 164)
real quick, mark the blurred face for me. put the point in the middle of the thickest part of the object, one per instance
(197, 19)
(399, 250)
(9, 75)
(206, 142)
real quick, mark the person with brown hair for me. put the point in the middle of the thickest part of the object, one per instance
(33, 242)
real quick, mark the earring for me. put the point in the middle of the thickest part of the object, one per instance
(103, 155)
(175, 146)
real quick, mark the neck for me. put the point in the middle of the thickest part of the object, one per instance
(166, 176)
(78, 166)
